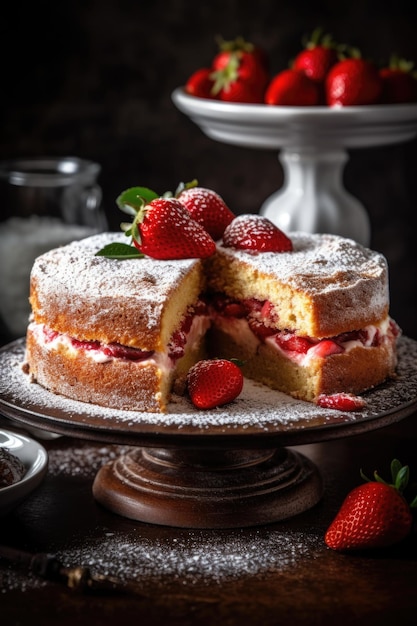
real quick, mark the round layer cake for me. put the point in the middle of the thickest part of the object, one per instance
(119, 333)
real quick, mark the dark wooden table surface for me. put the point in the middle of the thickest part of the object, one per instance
(281, 573)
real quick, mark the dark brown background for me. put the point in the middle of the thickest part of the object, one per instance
(94, 79)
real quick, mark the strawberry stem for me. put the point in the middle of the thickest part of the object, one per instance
(228, 75)
(182, 186)
(234, 45)
(400, 475)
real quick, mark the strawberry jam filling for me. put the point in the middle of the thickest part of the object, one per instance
(193, 323)
(110, 350)
(261, 319)
(176, 346)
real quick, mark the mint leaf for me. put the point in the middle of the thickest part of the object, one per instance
(119, 251)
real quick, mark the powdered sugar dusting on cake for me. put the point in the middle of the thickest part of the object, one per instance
(75, 269)
(258, 409)
(319, 263)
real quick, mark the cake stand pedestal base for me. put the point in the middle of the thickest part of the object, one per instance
(208, 488)
(313, 198)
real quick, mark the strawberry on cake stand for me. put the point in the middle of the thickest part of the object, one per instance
(313, 144)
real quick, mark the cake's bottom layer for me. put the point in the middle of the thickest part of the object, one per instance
(355, 371)
(117, 383)
(120, 377)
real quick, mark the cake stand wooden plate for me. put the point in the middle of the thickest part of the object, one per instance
(228, 467)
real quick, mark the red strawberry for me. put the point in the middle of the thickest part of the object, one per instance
(292, 88)
(206, 207)
(317, 57)
(260, 329)
(353, 81)
(399, 82)
(341, 401)
(294, 343)
(162, 227)
(326, 347)
(238, 45)
(168, 231)
(239, 72)
(255, 233)
(200, 84)
(214, 382)
(374, 514)
(126, 352)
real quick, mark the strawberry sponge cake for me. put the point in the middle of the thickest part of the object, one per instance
(307, 314)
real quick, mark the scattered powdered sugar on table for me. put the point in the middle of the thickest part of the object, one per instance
(257, 407)
(84, 459)
(194, 556)
(190, 559)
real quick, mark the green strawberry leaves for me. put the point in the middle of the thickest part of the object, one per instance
(182, 186)
(400, 476)
(132, 201)
(120, 251)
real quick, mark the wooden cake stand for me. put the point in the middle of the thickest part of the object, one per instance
(224, 468)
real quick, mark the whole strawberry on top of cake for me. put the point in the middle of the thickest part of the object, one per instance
(117, 323)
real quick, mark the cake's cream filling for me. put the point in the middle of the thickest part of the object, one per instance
(100, 353)
(240, 332)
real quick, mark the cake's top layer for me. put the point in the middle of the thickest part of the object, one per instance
(326, 285)
(318, 262)
(93, 297)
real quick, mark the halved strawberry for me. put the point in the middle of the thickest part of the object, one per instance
(293, 343)
(214, 382)
(326, 347)
(341, 401)
(126, 352)
(260, 329)
(205, 206)
(255, 233)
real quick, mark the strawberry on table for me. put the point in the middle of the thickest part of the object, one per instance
(353, 81)
(205, 206)
(374, 514)
(399, 82)
(214, 382)
(292, 87)
(255, 233)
